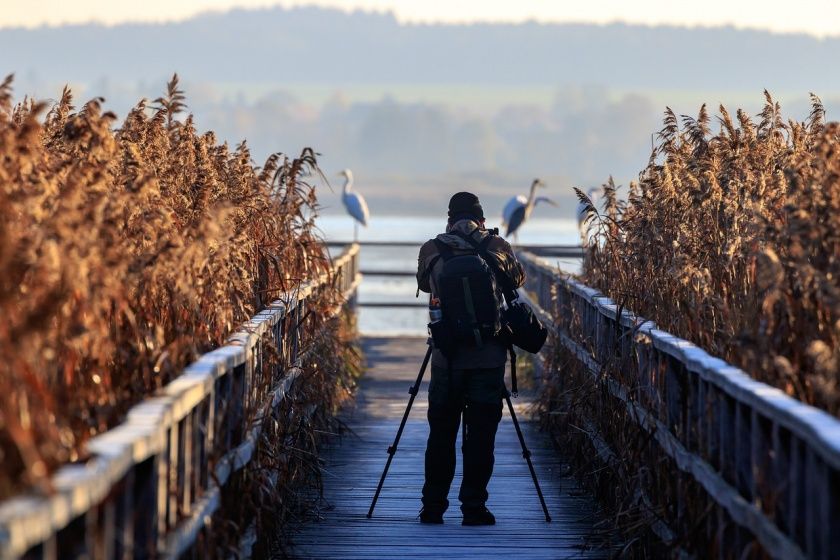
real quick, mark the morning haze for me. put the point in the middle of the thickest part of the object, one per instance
(417, 110)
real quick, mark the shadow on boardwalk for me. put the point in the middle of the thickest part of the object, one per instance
(355, 464)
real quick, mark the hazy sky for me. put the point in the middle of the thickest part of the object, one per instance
(818, 17)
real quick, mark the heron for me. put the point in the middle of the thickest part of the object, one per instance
(518, 209)
(354, 203)
(594, 195)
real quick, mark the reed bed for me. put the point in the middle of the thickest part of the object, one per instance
(728, 239)
(732, 241)
(125, 252)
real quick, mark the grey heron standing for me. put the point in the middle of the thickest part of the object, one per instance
(354, 203)
(518, 209)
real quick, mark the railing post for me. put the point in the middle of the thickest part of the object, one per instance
(797, 491)
(101, 531)
(147, 507)
(123, 517)
(204, 442)
(171, 484)
(782, 481)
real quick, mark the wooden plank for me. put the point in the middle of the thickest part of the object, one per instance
(355, 462)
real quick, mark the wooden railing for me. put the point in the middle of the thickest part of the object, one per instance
(548, 251)
(556, 251)
(768, 464)
(148, 489)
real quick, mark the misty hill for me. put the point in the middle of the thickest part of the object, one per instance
(319, 45)
(418, 111)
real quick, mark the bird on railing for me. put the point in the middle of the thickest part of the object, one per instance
(354, 203)
(518, 209)
(583, 211)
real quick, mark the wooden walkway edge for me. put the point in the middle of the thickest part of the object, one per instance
(355, 464)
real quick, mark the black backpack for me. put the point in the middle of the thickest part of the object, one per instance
(468, 297)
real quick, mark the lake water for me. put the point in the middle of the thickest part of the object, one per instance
(412, 321)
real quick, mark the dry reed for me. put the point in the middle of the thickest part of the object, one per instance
(125, 253)
(728, 240)
(732, 240)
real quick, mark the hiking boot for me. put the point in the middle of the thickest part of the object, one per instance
(478, 516)
(431, 517)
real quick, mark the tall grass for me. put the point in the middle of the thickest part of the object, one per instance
(732, 240)
(124, 253)
(728, 239)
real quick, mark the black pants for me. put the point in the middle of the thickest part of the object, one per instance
(477, 394)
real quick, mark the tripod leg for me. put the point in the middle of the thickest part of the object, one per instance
(413, 390)
(527, 455)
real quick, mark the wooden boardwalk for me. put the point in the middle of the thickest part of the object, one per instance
(355, 464)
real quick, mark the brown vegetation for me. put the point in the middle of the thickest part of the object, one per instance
(124, 253)
(283, 484)
(732, 240)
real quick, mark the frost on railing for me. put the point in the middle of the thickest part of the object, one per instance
(768, 465)
(148, 490)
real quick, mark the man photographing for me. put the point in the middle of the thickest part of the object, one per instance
(467, 270)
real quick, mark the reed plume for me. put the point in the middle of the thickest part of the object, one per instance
(731, 241)
(125, 253)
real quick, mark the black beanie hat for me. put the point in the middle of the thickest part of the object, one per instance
(464, 205)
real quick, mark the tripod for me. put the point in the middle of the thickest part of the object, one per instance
(413, 390)
(526, 454)
(392, 449)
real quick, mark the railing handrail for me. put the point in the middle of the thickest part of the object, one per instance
(411, 243)
(552, 251)
(29, 520)
(571, 251)
(818, 431)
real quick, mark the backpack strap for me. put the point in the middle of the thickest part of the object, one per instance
(465, 285)
(444, 252)
(481, 249)
(427, 273)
